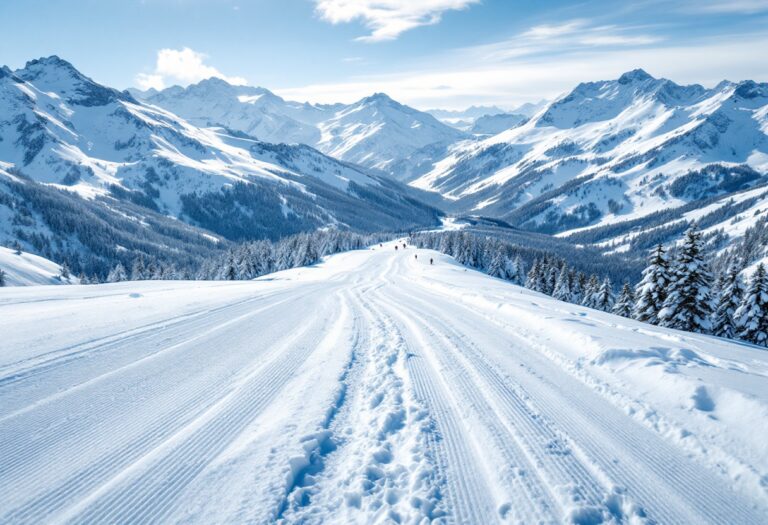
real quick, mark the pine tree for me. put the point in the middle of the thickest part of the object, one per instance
(651, 291)
(65, 272)
(16, 247)
(138, 271)
(118, 274)
(532, 279)
(497, 267)
(229, 272)
(688, 304)
(551, 280)
(752, 315)
(731, 291)
(562, 290)
(516, 270)
(2, 278)
(578, 284)
(603, 299)
(590, 292)
(626, 301)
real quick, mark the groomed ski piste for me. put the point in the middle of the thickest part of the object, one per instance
(370, 388)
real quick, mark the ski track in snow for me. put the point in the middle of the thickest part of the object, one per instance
(358, 391)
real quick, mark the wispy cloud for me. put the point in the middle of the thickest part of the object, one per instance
(746, 7)
(180, 66)
(565, 37)
(486, 75)
(387, 19)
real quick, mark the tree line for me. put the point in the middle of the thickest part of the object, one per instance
(250, 259)
(680, 292)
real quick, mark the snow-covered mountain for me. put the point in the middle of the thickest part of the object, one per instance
(487, 120)
(374, 132)
(252, 110)
(613, 151)
(62, 129)
(377, 131)
(495, 124)
(463, 119)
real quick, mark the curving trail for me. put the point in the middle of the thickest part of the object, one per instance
(371, 388)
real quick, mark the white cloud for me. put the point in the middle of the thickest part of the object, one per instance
(746, 7)
(181, 66)
(387, 19)
(463, 80)
(565, 37)
(545, 31)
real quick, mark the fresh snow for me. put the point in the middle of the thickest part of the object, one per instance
(370, 388)
(28, 269)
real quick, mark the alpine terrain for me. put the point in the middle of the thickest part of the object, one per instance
(387, 262)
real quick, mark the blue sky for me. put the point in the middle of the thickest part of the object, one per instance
(427, 53)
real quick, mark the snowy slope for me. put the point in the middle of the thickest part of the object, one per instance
(252, 110)
(495, 124)
(26, 269)
(373, 387)
(374, 132)
(377, 131)
(60, 128)
(612, 151)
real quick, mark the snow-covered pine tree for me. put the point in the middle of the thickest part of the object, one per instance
(651, 291)
(138, 270)
(2, 278)
(447, 244)
(516, 270)
(626, 301)
(752, 315)
(65, 274)
(543, 277)
(731, 291)
(578, 283)
(590, 292)
(229, 271)
(603, 299)
(688, 304)
(497, 265)
(118, 274)
(16, 247)
(562, 290)
(532, 279)
(551, 281)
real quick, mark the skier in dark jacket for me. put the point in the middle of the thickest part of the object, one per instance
(430, 260)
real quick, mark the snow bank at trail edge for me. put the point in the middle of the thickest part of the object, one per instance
(27, 269)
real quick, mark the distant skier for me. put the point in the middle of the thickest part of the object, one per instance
(415, 256)
(395, 247)
(430, 260)
(403, 246)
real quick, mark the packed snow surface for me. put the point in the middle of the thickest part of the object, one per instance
(371, 388)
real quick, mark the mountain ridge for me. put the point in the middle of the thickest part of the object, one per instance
(375, 131)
